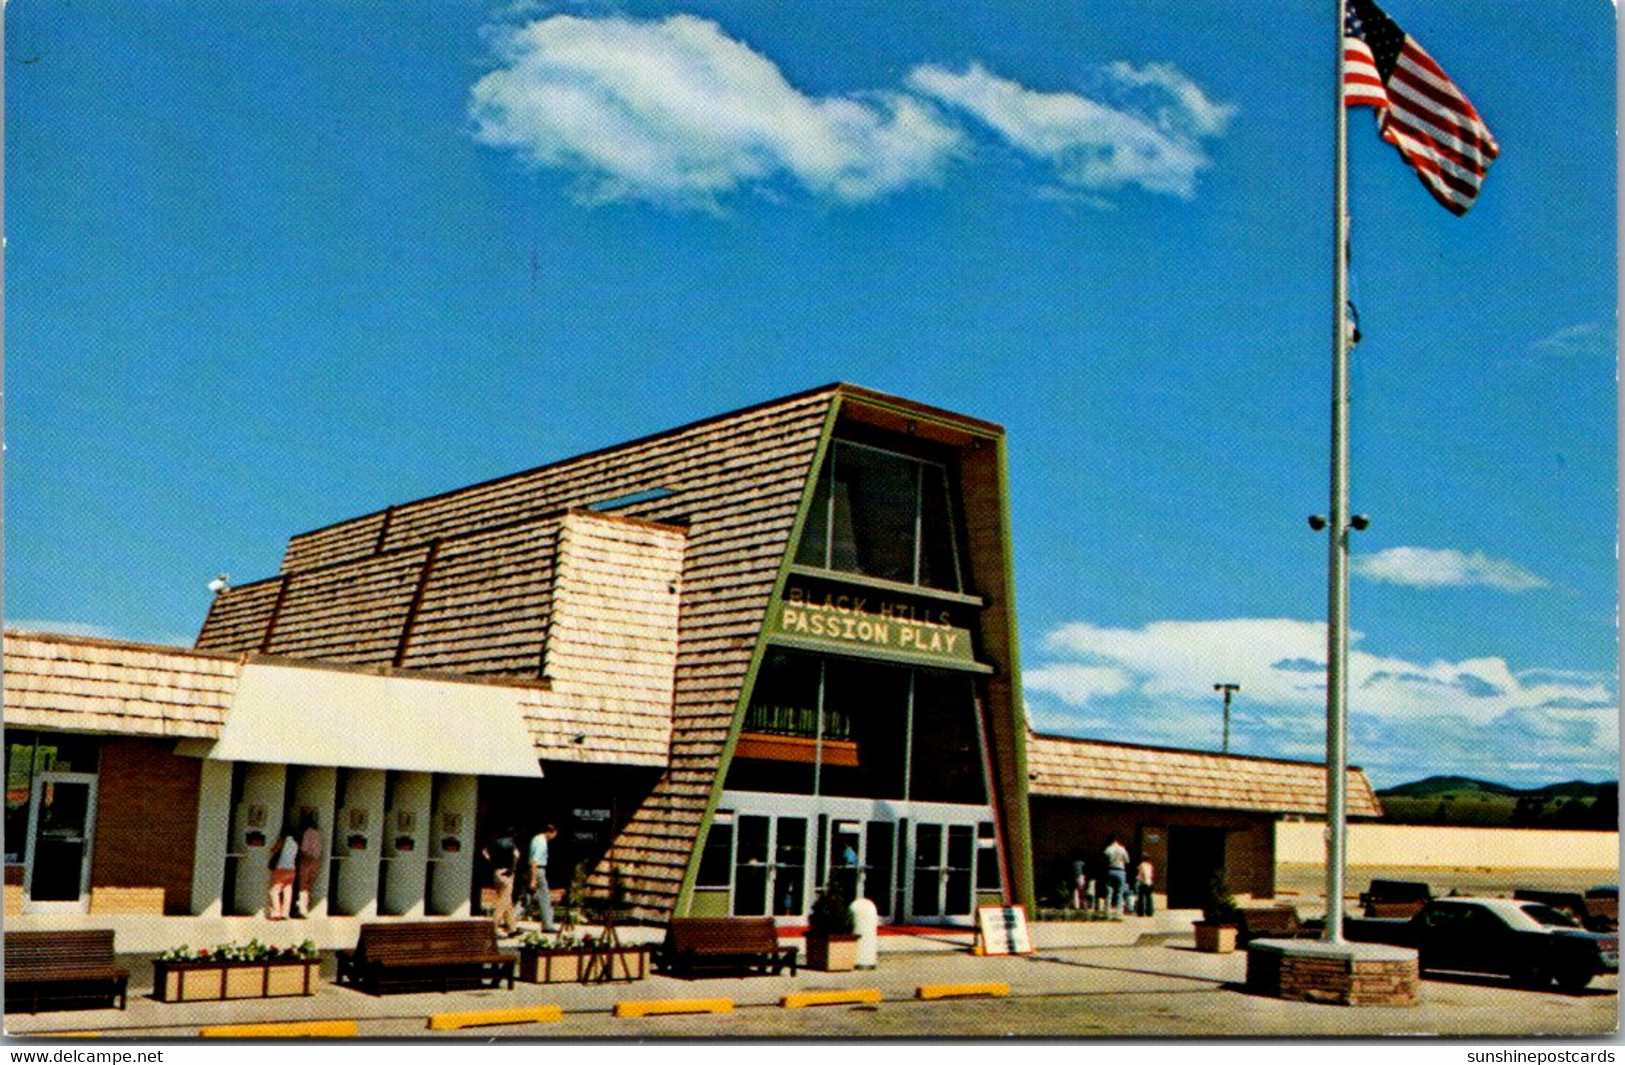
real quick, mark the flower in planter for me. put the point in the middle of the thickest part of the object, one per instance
(251, 951)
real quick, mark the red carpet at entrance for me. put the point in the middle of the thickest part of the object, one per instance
(800, 931)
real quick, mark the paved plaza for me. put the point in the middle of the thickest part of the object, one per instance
(1109, 980)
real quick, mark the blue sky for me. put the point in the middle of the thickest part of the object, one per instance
(270, 266)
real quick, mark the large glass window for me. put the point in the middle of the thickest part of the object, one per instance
(717, 856)
(874, 698)
(28, 754)
(819, 725)
(947, 759)
(883, 515)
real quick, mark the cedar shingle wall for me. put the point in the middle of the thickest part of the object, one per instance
(348, 614)
(486, 604)
(100, 686)
(1080, 769)
(612, 644)
(735, 483)
(238, 618)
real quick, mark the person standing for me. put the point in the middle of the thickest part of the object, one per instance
(309, 861)
(1144, 878)
(504, 859)
(1116, 875)
(538, 875)
(279, 893)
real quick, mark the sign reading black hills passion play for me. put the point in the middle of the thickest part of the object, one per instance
(860, 618)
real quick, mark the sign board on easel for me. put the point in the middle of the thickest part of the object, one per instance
(1002, 930)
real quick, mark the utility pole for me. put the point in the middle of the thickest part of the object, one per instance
(1229, 691)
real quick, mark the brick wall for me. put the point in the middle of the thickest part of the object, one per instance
(146, 819)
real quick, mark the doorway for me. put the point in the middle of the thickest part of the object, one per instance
(59, 838)
(943, 885)
(1194, 856)
(770, 866)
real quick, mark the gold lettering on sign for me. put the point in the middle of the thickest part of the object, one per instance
(839, 617)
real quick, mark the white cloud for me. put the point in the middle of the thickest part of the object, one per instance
(1188, 110)
(1476, 716)
(93, 631)
(63, 628)
(676, 110)
(1586, 338)
(1422, 567)
(1094, 145)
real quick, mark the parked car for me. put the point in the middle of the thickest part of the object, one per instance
(1597, 909)
(1394, 898)
(1528, 941)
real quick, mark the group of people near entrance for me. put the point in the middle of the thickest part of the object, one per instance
(1105, 885)
(503, 854)
(294, 862)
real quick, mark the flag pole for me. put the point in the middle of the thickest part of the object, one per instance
(1337, 580)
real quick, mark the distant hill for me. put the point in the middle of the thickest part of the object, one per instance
(1464, 801)
(1432, 787)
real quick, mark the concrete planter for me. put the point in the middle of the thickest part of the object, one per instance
(578, 966)
(834, 953)
(1215, 938)
(212, 981)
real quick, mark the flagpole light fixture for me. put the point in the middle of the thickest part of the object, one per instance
(1357, 522)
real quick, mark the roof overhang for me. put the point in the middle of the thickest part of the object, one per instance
(290, 715)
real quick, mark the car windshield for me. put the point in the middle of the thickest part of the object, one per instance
(1549, 917)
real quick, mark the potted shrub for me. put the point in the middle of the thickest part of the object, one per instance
(1216, 931)
(831, 944)
(230, 970)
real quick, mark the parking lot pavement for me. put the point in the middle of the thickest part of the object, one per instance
(1162, 989)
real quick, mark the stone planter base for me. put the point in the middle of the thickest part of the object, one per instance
(1344, 974)
(208, 981)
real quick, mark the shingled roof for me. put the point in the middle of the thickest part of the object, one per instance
(67, 682)
(469, 581)
(1068, 768)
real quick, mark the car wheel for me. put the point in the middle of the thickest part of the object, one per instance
(1574, 980)
(1533, 975)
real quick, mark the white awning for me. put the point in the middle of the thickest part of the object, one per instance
(295, 715)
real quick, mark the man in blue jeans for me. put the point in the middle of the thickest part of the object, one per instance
(538, 875)
(1117, 875)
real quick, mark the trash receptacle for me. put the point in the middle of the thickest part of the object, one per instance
(866, 923)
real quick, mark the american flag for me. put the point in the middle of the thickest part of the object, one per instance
(1419, 109)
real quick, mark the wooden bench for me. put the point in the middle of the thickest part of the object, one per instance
(1272, 922)
(741, 944)
(63, 968)
(435, 955)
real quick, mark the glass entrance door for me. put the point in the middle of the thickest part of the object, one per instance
(59, 833)
(943, 884)
(770, 866)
